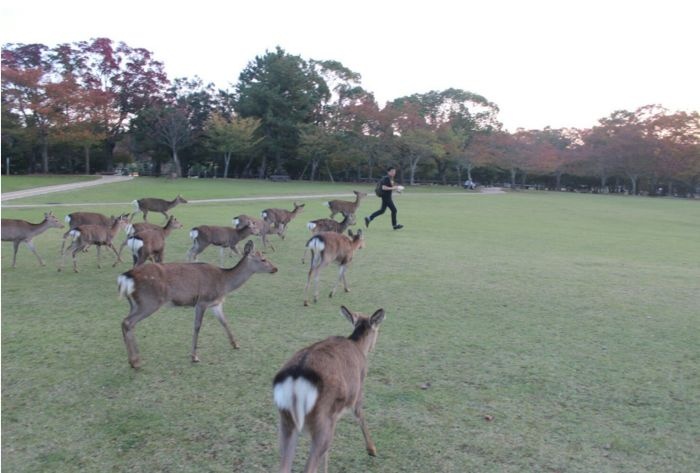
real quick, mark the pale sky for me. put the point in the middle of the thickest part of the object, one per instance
(555, 63)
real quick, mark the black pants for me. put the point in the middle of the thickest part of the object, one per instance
(386, 202)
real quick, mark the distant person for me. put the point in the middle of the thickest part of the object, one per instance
(469, 184)
(388, 186)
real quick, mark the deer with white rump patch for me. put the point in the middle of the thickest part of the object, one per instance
(223, 237)
(152, 204)
(345, 207)
(18, 231)
(134, 228)
(280, 218)
(98, 235)
(315, 387)
(327, 247)
(75, 219)
(150, 244)
(328, 225)
(198, 285)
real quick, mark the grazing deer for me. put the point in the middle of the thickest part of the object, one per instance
(98, 235)
(75, 219)
(150, 244)
(134, 228)
(151, 204)
(18, 231)
(223, 237)
(262, 228)
(280, 218)
(198, 285)
(318, 384)
(345, 207)
(326, 247)
(328, 225)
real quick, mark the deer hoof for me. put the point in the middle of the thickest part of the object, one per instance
(195, 359)
(306, 303)
(136, 364)
(372, 451)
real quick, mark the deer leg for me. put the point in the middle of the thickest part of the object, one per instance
(99, 247)
(76, 249)
(121, 248)
(345, 280)
(136, 314)
(341, 275)
(33, 248)
(321, 438)
(198, 317)
(360, 415)
(288, 437)
(119, 259)
(221, 256)
(166, 216)
(308, 282)
(145, 213)
(219, 313)
(15, 247)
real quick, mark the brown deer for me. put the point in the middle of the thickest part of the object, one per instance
(330, 246)
(223, 237)
(134, 228)
(198, 285)
(75, 219)
(150, 244)
(151, 204)
(98, 235)
(18, 231)
(318, 384)
(262, 228)
(345, 207)
(328, 225)
(280, 218)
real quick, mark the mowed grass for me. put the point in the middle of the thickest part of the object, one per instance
(18, 183)
(570, 321)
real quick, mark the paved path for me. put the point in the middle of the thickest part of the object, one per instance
(62, 187)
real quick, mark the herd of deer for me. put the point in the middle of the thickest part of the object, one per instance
(318, 383)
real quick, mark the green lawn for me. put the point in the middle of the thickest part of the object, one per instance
(571, 319)
(18, 183)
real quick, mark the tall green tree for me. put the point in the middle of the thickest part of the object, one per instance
(284, 92)
(235, 137)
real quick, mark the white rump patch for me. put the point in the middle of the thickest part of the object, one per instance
(74, 233)
(298, 396)
(134, 244)
(194, 233)
(126, 285)
(135, 203)
(129, 229)
(327, 204)
(264, 214)
(67, 219)
(316, 244)
(236, 222)
(311, 226)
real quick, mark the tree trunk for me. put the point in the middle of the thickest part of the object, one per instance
(414, 165)
(633, 180)
(87, 159)
(262, 168)
(227, 161)
(176, 162)
(314, 169)
(45, 156)
(469, 171)
(329, 172)
(512, 177)
(557, 185)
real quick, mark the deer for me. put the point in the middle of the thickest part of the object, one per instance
(223, 237)
(330, 246)
(262, 228)
(134, 228)
(318, 383)
(328, 225)
(98, 235)
(76, 219)
(150, 244)
(280, 218)
(199, 285)
(345, 207)
(18, 231)
(151, 204)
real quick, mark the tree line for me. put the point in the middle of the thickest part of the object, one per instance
(95, 105)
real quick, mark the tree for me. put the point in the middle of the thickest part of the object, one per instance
(234, 137)
(284, 92)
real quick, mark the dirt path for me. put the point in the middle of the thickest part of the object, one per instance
(62, 187)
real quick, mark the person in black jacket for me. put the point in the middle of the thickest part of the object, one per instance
(388, 186)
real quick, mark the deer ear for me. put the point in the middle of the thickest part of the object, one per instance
(248, 248)
(377, 318)
(350, 233)
(345, 312)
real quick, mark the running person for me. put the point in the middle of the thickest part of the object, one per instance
(388, 186)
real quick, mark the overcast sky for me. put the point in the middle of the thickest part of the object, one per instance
(544, 63)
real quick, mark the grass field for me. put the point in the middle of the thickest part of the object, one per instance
(18, 183)
(572, 320)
